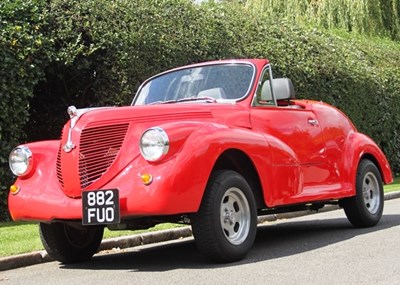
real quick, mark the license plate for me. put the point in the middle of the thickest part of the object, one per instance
(100, 207)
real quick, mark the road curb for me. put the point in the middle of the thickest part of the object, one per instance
(146, 238)
(22, 260)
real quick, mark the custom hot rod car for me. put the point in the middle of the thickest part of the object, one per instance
(212, 145)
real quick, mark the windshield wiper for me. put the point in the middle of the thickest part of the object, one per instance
(162, 102)
(207, 99)
(188, 99)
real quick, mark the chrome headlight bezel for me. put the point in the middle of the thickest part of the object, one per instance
(21, 160)
(154, 144)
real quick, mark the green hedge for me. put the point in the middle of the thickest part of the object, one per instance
(358, 75)
(96, 52)
(23, 55)
(104, 50)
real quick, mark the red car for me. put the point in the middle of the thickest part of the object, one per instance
(213, 145)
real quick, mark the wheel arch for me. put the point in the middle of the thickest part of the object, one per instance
(373, 159)
(361, 147)
(239, 161)
(381, 164)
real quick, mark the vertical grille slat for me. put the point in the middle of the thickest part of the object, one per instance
(98, 149)
(99, 146)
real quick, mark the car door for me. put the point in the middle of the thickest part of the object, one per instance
(298, 132)
(298, 151)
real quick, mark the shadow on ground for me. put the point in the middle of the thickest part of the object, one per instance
(273, 241)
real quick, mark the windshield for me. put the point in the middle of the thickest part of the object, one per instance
(212, 83)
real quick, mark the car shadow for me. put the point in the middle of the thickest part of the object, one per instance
(274, 240)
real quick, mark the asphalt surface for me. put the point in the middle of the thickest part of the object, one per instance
(38, 257)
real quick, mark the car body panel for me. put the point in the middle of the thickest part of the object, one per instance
(303, 153)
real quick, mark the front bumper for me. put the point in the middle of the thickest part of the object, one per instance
(41, 198)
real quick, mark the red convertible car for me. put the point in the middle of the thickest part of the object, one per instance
(212, 145)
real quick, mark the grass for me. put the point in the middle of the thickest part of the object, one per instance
(19, 238)
(394, 186)
(23, 237)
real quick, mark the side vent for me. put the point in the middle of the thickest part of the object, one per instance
(58, 166)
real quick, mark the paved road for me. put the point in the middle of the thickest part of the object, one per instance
(317, 249)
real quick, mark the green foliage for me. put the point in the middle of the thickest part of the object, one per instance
(21, 61)
(105, 49)
(371, 17)
(359, 76)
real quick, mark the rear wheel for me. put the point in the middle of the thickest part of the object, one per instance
(366, 208)
(226, 224)
(69, 243)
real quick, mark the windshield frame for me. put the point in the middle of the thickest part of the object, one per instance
(213, 63)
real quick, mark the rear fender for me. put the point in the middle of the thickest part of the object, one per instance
(359, 146)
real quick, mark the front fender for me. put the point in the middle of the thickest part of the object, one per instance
(40, 197)
(180, 179)
(184, 175)
(202, 150)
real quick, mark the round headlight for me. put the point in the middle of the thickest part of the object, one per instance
(154, 144)
(20, 160)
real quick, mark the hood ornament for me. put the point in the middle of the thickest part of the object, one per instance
(73, 114)
(72, 111)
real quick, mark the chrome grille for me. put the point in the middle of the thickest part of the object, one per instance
(99, 146)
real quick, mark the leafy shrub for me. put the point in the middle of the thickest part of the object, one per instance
(371, 17)
(358, 76)
(22, 60)
(104, 50)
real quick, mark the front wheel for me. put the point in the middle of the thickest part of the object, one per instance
(69, 243)
(226, 223)
(366, 208)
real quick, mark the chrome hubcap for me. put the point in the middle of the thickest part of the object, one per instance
(235, 216)
(371, 197)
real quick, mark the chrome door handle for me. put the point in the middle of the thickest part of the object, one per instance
(313, 122)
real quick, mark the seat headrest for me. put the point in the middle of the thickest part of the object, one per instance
(216, 93)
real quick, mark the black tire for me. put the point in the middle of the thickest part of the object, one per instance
(366, 208)
(225, 226)
(69, 243)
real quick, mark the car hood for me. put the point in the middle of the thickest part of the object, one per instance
(93, 140)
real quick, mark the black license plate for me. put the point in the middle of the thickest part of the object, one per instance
(100, 207)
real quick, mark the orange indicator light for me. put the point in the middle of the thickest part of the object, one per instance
(146, 178)
(14, 189)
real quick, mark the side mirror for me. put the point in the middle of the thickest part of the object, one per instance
(283, 89)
